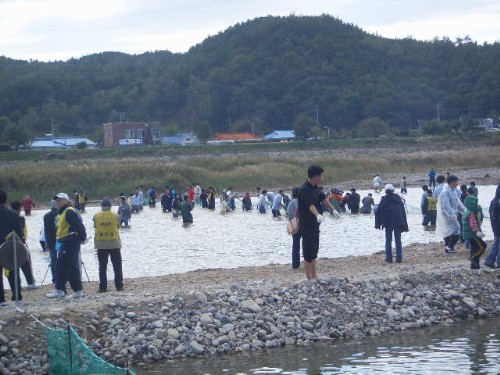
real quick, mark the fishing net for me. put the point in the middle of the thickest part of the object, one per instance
(70, 355)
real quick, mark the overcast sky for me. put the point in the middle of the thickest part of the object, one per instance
(49, 30)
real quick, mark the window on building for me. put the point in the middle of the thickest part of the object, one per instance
(141, 133)
(156, 133)
(129, 133)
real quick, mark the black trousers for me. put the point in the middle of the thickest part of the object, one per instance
(116, 261)
(12, 284)
(68, 267)
(296, 250)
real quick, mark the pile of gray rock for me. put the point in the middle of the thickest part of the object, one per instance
(243, 318)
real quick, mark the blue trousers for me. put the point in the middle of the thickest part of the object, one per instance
(388, 244)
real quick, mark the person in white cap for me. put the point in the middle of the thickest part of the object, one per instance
(69, 236)
(391, 216)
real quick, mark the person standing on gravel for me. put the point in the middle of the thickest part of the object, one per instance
(291, 212)
(494, 210)
(70, 235)
(391, 216)
(49, 227)
(108, 244)
(472, 220)
(9, 221)
(448, 208)
(310, 199)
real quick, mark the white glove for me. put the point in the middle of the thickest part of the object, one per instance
(480, 234)
(320, 218)
(336, 214)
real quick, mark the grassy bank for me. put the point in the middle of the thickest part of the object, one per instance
(110, 176)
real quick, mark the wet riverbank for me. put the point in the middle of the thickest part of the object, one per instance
(208, 312)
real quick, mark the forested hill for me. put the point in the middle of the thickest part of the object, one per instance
(263, 74)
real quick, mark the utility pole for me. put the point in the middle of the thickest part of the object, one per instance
(52, 127)
(438, 114)
(317, 116)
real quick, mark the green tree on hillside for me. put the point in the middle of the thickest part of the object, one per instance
(303, 126)
(203, 130)
(171, 129)
(434, 127)
(372, 127)
(270, 68)
(17, 135)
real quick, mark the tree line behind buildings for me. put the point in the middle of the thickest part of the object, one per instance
(317, 75)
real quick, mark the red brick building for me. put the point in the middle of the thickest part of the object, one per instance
(132, 133)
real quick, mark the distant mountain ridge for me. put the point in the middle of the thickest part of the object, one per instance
(258, 76)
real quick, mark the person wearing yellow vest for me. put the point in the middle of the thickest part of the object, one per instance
(70, 235)
(429, 209)
(82, 201)
(108, 244)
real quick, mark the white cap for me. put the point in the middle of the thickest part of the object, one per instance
(62, 196)
(389, 187)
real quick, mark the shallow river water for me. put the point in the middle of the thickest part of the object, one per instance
(156, 244)
(462, 348)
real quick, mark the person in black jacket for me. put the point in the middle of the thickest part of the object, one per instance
(49, 225)
(494, 210)
(391, 216)
(310, 198)
(354, 201)
(9, 221)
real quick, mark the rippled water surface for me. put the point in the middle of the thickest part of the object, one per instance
(157, 244)
(463, 348)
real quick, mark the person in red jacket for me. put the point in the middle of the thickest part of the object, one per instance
(28, 204)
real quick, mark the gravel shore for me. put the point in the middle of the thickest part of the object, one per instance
(216, 311)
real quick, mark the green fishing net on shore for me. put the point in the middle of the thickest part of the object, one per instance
(69, 354)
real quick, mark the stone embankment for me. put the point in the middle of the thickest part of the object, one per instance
(242, 317)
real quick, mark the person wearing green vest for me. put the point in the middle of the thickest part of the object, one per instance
(472, 220)
(108, 244)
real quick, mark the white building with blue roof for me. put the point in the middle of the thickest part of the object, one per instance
(280, 135)
(182, 139)
(59, 143)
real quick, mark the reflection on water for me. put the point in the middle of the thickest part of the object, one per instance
(157, 244)
(463, 348)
